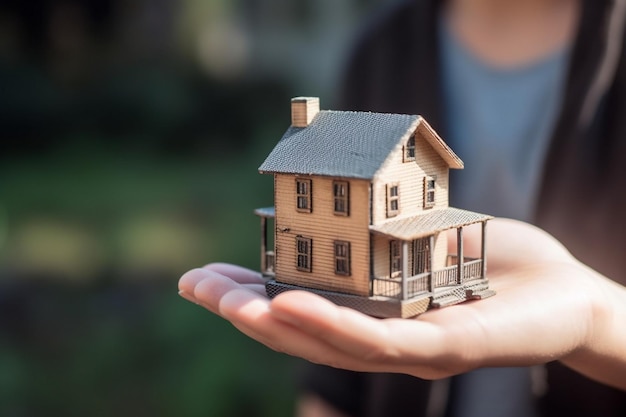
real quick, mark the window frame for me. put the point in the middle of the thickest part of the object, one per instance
(304, 254)
(304, 193)
(342, 259)
(393, 198)
(341, 200)
(430, 195)
(409, 151)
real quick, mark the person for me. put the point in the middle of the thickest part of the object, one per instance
(529, 94)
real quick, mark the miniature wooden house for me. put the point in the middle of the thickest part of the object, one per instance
(361, 210)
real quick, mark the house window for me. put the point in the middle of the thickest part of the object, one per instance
(304, 248)
(395, 259)
(409, 149)
(393, 200)
(341, 197)
(342, 257)
(429, 192)
(303, 195)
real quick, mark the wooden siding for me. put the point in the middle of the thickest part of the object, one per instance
(380, 256)
(410, 177)
(323, 227)
(441, 251)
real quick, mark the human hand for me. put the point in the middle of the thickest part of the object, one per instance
(548, 306)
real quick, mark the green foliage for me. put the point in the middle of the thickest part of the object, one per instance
(97, 244)
(122, 166)
(138, 350)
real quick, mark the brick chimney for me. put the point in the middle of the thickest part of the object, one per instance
(303, 110)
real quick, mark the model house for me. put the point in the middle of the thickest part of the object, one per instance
(361, 214)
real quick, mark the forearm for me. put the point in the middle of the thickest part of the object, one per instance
(603, 355)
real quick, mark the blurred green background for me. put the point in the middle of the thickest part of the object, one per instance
(130, 136)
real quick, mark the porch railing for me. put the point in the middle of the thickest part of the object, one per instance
(387, 287)
(448, 276)
(472, 269)
(270, 260)
(417, 284)
(392, 287)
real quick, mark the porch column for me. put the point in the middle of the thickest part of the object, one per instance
(405, 269)
(431, 256)
(483, 250)
(263, 244)
(460, 256)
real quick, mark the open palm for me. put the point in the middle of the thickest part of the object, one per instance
(545, 309)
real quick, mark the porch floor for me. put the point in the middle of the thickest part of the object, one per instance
(385, 307)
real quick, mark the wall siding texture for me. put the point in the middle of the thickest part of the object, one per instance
(323, 227)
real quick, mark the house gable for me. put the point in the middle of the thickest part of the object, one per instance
(412, 177)
(438, 145)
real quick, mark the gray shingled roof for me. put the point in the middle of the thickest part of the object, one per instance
(338, 143)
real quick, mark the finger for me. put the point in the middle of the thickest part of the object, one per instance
(253, 317)
(509, 243)
(517, 243)
(187, 283)
(391, 343)
(257, 288)
(249, 312)
(235, 272)
(209, 290)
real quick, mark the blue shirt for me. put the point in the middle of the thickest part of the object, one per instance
(499, 122)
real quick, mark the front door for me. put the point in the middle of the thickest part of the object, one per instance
(421, 256)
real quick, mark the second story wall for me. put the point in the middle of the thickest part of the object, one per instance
(409, 178)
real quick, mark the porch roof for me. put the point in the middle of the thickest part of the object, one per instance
(426, 224)
(267, 212)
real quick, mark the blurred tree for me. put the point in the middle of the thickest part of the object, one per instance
(131, 132)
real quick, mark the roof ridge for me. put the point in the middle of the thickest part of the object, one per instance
(371, 112)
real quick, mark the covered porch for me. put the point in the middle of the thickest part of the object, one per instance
(267, 214)
(447, 284)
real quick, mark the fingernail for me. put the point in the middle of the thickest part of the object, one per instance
(187, 296)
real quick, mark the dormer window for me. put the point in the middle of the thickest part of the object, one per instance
(429, 192)
(303, 195)
(341, 197)
(409, 149)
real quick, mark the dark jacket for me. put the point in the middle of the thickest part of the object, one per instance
(395, 68)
